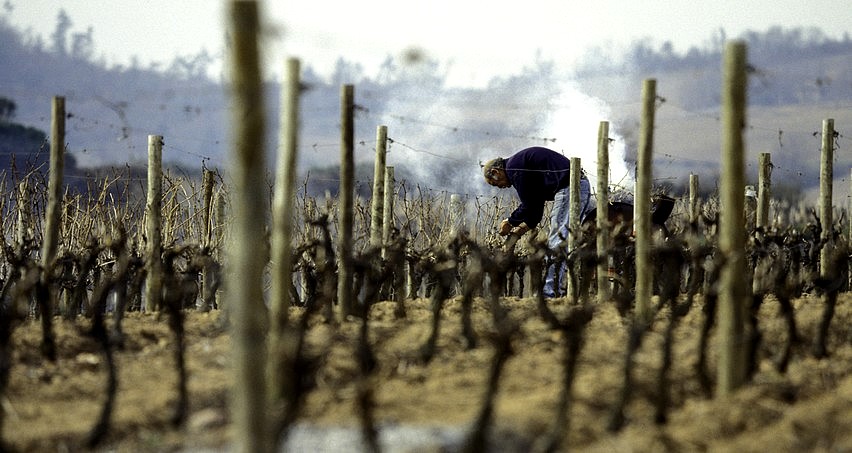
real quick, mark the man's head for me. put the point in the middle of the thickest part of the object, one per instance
(494, 172)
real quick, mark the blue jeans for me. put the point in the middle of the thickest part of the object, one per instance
(560, 220)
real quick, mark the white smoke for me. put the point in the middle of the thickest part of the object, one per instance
(442, 135)
(574, 122)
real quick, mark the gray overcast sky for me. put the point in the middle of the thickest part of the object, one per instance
(474, 39)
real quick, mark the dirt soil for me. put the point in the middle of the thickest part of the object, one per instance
(51, 406)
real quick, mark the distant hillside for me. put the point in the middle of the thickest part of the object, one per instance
(24, 149)
(799, 78)
(440, 134)
(789, 66)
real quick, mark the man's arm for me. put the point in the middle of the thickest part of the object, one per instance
(529, 213)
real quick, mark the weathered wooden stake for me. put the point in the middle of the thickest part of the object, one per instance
(602, 217)
(219, 234)
(456, 214)
(378, 200)
(153, 225)
(25, 214)
(642, 204)
(53, 214)
(573, 220)
(346, 201)
(245, 266)
(693, 198)
(387, 205)
(167, 207)
(207, 183)
(826, 186)
(733, 291)
(764, 189)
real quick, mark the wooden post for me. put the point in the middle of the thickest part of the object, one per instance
(733, 292)
(244, 290)
(378, 200)
(693, 198)
(750, 208)
(219, 234)
(52, 220)
(849, 213)
(574, 219)
(603, 209)
(206, 239)
(387, 206)
(826, 186)
(456, 214)
(642, 204)
(53, 212)
(207, 185)
(284, 199)
(153, 225)
(167, 206)
(25, 214)
(281, 254)
(345, 197)
(388, 225)
(764, 189)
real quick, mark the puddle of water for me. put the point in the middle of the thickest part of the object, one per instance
(304, 438)
(392, 439)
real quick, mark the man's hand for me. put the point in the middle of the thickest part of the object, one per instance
(505, 227)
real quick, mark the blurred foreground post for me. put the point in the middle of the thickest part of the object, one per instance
(153, 225)
(345, 197)
(733, 292)
(642, 204)
(826, 186)
(244, 290)
(602, 218)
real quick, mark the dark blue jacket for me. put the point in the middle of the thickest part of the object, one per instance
(537, 173)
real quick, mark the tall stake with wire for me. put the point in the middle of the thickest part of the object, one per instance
(642, 206)
(733, 292)
(51, 225)
(153, 225)
(346, 204)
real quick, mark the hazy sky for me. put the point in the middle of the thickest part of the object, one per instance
(474, 39)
